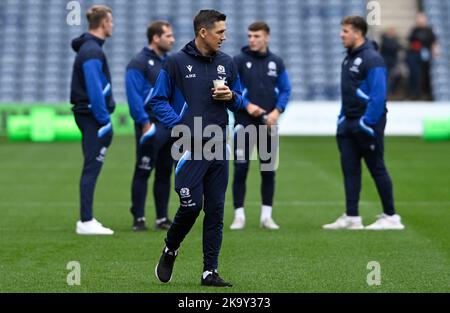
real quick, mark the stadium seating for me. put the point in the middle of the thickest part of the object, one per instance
(36, 58)
(439, 17)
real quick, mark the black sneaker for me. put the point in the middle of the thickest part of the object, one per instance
(164, 268)
(164, 224)
(215, 280)
(139, 224)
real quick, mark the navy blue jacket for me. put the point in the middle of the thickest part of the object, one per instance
(140, 78)
(183, 89)
(91, 81)
(264, 80)
(363, 84)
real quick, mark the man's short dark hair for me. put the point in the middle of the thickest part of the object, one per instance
(206, 19)
(357, 22)
(156, 28)
(259, 25)
(96, 14)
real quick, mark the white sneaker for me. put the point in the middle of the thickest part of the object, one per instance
(346, 222)
(92, 227)
(385, 221)
(269, 223)
(238, 223)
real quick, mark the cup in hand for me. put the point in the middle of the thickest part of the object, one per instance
(218, 83)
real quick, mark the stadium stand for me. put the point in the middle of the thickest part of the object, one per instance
(36, 58)
(439, 17)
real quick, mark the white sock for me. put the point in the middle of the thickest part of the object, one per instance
(206, 273)
(239, 213)
(266, 212)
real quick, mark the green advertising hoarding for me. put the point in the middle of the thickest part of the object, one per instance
(44, 122)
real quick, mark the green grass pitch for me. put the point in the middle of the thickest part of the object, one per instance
(39, 208)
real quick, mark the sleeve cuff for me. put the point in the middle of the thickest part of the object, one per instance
(104, 122)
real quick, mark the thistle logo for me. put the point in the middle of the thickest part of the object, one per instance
(185, 193)
(272, 69)
(356, 64)
(221, 70)
(272, 65)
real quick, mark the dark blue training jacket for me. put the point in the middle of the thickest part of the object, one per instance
(91, 90)
(264, 80)
(363, 84)
(183, 89)
(140, 78)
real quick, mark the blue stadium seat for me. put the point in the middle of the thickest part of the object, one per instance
(304, 33)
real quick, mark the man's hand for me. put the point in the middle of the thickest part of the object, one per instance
(255, 110)
(366, 128)
(146, 127)
(272, 117)
(222, 93)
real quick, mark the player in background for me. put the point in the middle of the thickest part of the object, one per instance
(153, 141)
(360, 126)
(266, 88)
(93, 102)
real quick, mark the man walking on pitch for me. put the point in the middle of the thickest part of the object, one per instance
(266, 87)
(93, 102)
(183, 95)
(153, 141)
(361, 124)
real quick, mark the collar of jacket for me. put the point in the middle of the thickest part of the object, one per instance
(151, 53)
(191, 49)
(256, 54)
(79, 41)
(98, 40)
(366, 45)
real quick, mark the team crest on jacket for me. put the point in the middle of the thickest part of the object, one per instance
(272, 69)
(356, 64)
(249, 65)
(185, 193)
(151, 62)
(221, 70)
